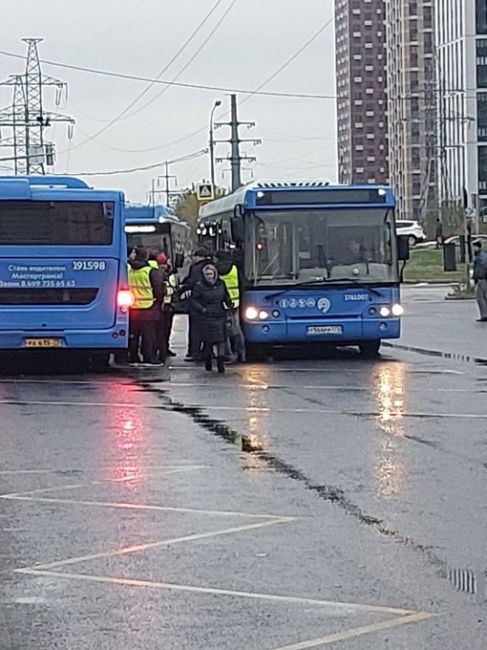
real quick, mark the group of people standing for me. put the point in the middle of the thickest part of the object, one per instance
(212, 292)
(152, 284)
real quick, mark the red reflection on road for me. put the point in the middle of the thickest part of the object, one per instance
(128, 428)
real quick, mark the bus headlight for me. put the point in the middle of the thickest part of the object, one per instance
(397, 310)
(251, 313)
(384, 311)
(263, 314)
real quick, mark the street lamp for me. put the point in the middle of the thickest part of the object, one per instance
(212, 143)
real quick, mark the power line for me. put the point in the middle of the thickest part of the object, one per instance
(188, 63)
(166, 82)
(151, 83)
(143, 168)
(292, 58)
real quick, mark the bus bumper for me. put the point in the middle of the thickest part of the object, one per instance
(339, 332)
(113, 339)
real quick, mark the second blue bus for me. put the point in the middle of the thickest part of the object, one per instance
(320, 263)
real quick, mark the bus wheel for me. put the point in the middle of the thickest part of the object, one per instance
(370, 349)
(257, 351)
(100, 361)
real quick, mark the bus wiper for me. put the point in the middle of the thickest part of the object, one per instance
(318, 281)
(298, 284)
(362, 285)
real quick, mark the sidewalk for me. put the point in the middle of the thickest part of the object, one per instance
(435, 325)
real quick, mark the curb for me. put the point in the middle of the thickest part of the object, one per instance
(453, 356)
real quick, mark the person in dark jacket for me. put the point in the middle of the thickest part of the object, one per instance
(201, 258)
(211, 301)
(147, 288)
(480, 279)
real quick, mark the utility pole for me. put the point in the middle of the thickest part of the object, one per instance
(27, 118)
(212, 143)
(166, 189)
(235, 141)
(167, 183)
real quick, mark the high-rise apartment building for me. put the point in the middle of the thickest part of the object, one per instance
(361, 91)
(412, 106)
(461, 34)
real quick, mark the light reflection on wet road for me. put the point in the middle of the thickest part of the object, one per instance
(157, 507)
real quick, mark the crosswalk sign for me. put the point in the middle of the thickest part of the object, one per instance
(205, 192)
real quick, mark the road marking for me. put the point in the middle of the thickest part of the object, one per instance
(123, 479)
(141, 506)
(165, 542)
(8, 472)
(266, 387)
(248, 409)
(358, 631)
(168, 586)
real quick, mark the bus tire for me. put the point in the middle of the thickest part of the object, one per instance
(257, 351)
(370, 349)
(100, 361)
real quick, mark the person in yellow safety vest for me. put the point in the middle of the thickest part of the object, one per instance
(148, 292)
(228, 272)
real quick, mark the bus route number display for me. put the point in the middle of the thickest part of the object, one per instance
(89, 265)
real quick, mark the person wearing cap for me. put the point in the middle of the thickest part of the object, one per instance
(201, 258)
(148, 291)
(480, 279)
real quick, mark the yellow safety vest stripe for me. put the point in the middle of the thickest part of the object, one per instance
(231, 282)
(141, 287)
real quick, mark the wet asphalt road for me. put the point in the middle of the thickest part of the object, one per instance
(289, 505)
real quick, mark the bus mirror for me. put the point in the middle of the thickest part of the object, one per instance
(403, 250)
(237, 226)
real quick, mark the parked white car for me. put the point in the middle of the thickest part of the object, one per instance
(413, 229)
(456, 240)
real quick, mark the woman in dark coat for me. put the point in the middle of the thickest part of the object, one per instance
(211, 300)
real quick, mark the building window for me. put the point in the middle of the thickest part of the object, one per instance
(482, 117)
(481, 17)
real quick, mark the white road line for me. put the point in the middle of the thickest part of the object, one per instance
(143, 506)
(165, 542)
(247, 409)
(124, 479)
(8, 472)
(358, 631)
(353, 389)
(359, 607)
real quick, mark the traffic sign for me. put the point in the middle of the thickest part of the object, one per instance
(204, 192)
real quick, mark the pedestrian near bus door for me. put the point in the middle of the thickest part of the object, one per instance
(228, 272)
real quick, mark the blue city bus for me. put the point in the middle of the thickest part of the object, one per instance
(319, 263)
(157, 228)
(63, 267)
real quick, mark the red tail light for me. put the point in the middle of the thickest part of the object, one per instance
(125, 299)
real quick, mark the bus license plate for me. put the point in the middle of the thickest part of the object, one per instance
(43, 343)
(325, 329)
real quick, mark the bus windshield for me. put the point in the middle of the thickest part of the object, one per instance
(56, 223)
(295, 246)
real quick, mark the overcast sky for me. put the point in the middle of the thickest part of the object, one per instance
(140, 37)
